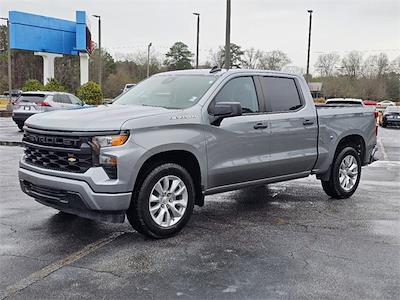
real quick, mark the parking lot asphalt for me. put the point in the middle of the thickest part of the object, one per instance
(281, 241)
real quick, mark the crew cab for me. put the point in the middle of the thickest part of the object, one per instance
(162, 146)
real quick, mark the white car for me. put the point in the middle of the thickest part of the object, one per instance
(345, 101)
(386, 103)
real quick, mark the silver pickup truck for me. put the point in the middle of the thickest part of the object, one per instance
(161, 147)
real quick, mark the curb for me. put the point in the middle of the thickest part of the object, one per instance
(5, 114)
(10, 143)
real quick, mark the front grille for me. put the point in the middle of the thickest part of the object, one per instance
(58, 152)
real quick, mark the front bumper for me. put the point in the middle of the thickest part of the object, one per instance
(74, 196)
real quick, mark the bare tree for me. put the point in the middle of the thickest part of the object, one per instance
(251, 58)
(375, 66)
(274, 60)
(326, 64)
(351, 64)
(395, 65)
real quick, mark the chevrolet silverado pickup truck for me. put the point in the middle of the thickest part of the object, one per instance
(159, 148)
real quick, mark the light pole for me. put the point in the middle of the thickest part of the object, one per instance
(148, 60)
(309, 46)
(198, 36)
(9, 62)
(100, 58)
(228, 35)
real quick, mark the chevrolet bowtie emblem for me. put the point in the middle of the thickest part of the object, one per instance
(71, 159)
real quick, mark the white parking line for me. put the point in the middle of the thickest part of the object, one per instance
(35, 277)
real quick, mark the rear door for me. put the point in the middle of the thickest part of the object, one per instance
(293, 127)
(58, 101)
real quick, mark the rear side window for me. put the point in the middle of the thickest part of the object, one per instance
(241, 90)
(281, 94)
(58, 98)
(66, 99)
(36, 98)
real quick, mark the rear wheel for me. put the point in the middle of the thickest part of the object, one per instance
(164, 202)
(345, 174)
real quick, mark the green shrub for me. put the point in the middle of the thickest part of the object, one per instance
(90, 93)
(32, 85)
(54, 86)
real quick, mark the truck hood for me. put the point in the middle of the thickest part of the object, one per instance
(100, 118)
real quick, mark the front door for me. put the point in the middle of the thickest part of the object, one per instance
(237, 149)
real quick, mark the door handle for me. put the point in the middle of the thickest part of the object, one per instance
(308, 122)
(260, 125)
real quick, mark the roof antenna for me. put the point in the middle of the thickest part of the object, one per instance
(215, 69)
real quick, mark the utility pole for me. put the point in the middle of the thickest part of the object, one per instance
(228, 35)
(100, 56)
(148, 60)
(198, 36)
(309, 46)
(9, 107)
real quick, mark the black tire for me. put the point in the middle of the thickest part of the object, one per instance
(384, 125)
(138, 213)
(327, 188)
(332, 187)
(20, 126)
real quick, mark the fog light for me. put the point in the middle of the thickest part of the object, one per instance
(109, 164)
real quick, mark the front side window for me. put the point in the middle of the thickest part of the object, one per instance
(169, 91)
(281, 94)
(240, 89)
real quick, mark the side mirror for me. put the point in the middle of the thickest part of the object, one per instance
(222, 110)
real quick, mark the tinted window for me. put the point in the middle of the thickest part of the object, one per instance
(241, 90)
(34, 98)
(66, 99)
(58, 98)
(281, 94)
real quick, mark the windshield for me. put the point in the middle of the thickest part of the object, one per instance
(392, 109)
(168, 91)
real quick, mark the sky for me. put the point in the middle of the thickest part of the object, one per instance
(370, 26)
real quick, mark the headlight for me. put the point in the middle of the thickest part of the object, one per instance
(108, 162)
(110, 140)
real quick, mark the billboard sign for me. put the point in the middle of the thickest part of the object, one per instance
(46, 34)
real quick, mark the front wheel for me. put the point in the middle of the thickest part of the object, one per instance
(345, 174)
(164, 202)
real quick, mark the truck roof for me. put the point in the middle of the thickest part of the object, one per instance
(223, 71)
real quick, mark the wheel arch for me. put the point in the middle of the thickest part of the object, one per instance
(355, 140)
(183, 157)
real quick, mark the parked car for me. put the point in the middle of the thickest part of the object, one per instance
(177, 136)
(391, 116)
(30, 103)
(345, 101)
(370, 103)
(386, 103)
(128, 86)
